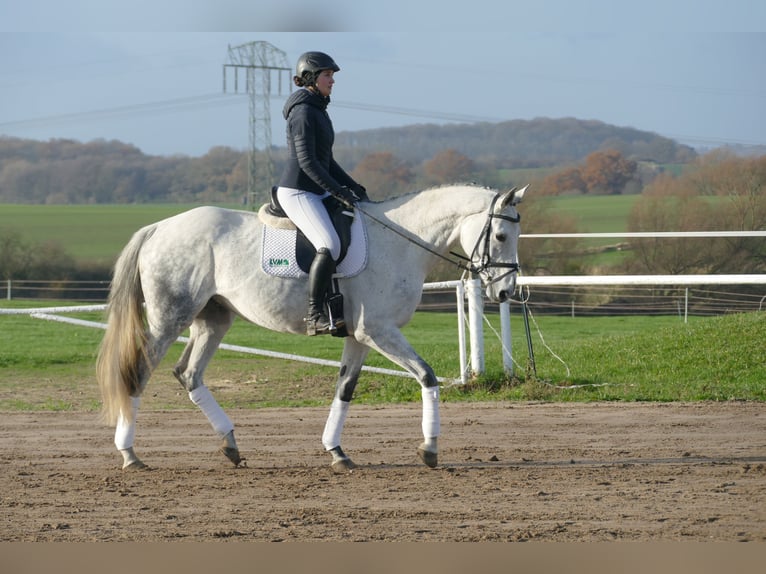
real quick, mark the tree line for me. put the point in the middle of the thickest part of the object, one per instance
(387, 161)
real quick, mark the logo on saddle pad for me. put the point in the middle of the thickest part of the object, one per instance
(285, 252)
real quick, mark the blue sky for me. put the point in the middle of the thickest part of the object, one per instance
(692, 71)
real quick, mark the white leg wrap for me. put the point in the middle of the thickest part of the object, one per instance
(125, 433)
(221, 423)
(334, 426)
(431, 420)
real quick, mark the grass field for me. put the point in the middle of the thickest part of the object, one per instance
(96, 233)
(596, 213)
(49, 366)
(89, 233)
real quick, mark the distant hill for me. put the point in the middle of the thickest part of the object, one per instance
(541, 142)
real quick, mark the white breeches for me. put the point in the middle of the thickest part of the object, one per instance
(308, 213)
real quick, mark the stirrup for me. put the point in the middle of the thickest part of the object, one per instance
(318, 324)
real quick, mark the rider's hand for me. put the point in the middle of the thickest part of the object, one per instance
(361, 192)
(347, 197)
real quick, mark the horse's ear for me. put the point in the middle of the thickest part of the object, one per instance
(513, 196)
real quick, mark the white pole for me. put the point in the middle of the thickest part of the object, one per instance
(460, 293)
(475, 317)
(240, 349)
(9, 290)
(505, 336)
(686, 306)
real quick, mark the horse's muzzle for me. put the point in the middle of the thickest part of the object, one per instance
(505, 294)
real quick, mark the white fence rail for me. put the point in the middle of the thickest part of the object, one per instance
(472, 292)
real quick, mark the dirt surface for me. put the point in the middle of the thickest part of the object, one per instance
(508, 472)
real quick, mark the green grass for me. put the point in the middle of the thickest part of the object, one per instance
(49, 366)
(649, 359)
(89, 233)
(596, 213)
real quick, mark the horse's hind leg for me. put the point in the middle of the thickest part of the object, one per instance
(125, 431)
(206, 332)
(354, 354)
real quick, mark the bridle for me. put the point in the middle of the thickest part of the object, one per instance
(485, 264)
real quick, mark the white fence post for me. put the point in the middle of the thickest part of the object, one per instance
(476, 330)
(505, 336)
(460, 294)
(8, 294)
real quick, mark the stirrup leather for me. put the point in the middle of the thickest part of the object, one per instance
(335, 309)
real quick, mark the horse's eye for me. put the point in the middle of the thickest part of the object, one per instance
(500, 237)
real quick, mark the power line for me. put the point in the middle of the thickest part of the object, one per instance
(175, 104)
(416, 113)
(205, 101)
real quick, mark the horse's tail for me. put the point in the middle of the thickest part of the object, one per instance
(122, 356)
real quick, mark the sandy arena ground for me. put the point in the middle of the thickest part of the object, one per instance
(508, 472)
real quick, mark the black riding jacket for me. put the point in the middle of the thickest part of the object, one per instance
(310, 137)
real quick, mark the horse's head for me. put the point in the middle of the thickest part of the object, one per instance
(494, 257)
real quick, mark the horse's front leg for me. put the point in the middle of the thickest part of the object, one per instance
(394, 346)
(428, 451)
(352, 360)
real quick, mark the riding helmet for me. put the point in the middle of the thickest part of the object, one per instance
(309, 66)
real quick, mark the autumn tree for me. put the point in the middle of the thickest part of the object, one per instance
(20, 259)
(13, 255)
(563, 181)
(383, 174)
(670, 204)
(448, 166)
(737, 189)
(607, 171)
(548, 256)
(722, 193)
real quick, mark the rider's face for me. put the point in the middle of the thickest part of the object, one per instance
(324, 82)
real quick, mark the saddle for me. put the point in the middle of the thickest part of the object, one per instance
(341, 217)
(287, 253)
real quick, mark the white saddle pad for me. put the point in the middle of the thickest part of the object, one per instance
(278, 251)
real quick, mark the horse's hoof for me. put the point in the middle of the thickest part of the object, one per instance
(134, 465)
(342, 465)
(232, 454)
(430, 459)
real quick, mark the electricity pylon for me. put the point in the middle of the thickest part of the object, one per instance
(260, 62)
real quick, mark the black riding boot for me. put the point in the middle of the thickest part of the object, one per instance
(320, 276)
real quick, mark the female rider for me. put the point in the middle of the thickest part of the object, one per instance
(311, 175)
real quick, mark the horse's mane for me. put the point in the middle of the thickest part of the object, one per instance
(409, 194)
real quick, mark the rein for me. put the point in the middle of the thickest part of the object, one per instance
(484, 238)
(416, 242)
